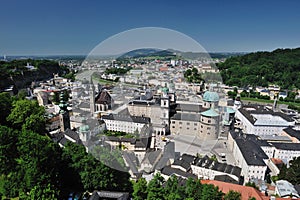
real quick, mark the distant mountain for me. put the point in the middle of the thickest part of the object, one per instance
(148, 52)
(142, 53)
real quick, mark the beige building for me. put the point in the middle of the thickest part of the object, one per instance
(199, 120)
(157, 108)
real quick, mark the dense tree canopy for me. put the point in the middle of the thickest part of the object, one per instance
(34, 167)
(172, 189)
(5, 107)
(27, 115)
(281, 67)
(193, 76)
(291, 174)
(16, 73)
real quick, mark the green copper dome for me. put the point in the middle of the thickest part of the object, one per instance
(84, 128)
(211, 96)
(210, 113)
(165, 89)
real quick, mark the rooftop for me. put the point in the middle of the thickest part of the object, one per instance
(261, 116)
(210, 96)
(285, 189)
(189, 108)
(292, 132)
(127, 118)
(186, 117)
(249, 146)
(246, 191)
(210, 113)
(287, 146)
(207, 163)
(169, 171)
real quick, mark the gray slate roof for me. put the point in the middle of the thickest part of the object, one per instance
(169, 171)
(127, 118)
(292, 132)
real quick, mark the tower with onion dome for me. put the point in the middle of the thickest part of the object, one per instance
(64, 116)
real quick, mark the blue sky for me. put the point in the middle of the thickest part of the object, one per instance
(75, 26)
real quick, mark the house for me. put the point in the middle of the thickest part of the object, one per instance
(205, 168)
(248, 154)
(102, 195)
(157, 108)
(286, 189)
(62, 138)
(125, 123)
(259, 120)
(168, 171)
(293, 134)
(245, 191)
(286, 151)
(150, 160)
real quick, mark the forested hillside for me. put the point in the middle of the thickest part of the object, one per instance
(16, 73)
(281, 67)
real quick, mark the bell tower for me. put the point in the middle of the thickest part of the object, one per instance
(92, 97)
(64, 116)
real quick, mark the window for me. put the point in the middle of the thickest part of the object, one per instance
(173, 122)
(195, 124)
(195, 129)
(208, 121)
(187, 128)
(188, 123)
(180, 122)
(208, 128)
(173, 126)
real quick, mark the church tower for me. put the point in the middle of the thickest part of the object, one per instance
(92, 97)
(64, 116)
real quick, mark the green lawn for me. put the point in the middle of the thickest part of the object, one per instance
(269, 101)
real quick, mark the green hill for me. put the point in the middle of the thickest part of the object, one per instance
(16, 73)
(281, 67)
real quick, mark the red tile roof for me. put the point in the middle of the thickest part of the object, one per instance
(245, 191)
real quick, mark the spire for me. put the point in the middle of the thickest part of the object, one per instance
(92, 97)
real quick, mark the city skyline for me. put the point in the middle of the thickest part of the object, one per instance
(64, 28)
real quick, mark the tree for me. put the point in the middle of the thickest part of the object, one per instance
(27, 115)
(172, 189)
(262, 68)
(232, 195)
(140, 189)
(5, 107)
(43, 192)
(291, 174)
(210, 192)
(193, 189)
(193, 76)
(8, 149)
(93, 174)
(155, 190)
(252, 184)
(41, 166)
